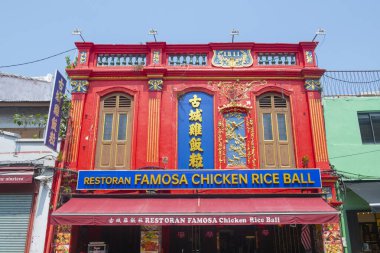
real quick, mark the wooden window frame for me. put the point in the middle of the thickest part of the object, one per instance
(265, 145)
(114, 144)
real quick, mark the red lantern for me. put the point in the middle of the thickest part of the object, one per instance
(209, 234)
(265, 232)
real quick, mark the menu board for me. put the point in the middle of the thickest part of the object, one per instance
(62, 237)
(150, 239)
(332, 239)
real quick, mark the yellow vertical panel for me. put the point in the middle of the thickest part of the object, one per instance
(75, 117)
(148, 158)
(318, 130)
(77, 133)
(153, 129)
(315, 130)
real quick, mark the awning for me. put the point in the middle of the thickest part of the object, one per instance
(369, 191)
(195, 211)
(16, 175)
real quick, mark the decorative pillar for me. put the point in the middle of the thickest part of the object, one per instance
(154, 112)
(308, 54)
(236, 124)
(84, 51)
(313, 88)
(78, 94)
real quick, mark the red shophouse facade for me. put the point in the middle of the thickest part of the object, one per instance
(257, 106)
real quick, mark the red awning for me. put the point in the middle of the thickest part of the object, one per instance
(195, 211)
(16, 175)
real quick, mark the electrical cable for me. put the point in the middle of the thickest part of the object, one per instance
(346, 175)
(362, 153)
(341, 80)
(42, 59)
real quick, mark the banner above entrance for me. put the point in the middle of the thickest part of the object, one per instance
(194, 211)
(199, 179)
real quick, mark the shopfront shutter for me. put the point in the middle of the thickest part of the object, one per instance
(14, 221)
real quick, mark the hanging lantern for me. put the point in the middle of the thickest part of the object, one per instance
(265, 232)
(181, 234)
(209, 234)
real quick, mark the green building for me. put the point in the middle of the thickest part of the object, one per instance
(351, 101)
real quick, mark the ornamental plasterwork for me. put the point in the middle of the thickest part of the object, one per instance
(251, 145)
(235, 92)
(313, 85)
(79, 86)
(309, 56)
(155, 84)
(236, 139)
(232, 58)
(83, 57)
(221, 144)
(156, 57)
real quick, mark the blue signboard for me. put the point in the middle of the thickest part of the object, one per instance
(54, 118)
(195, 131)
(199, 179)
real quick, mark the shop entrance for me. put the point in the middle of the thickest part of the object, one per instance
(192, 239)
(235, 239)
(211, 239)
(117, 238)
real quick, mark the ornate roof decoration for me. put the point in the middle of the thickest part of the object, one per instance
(236, 92)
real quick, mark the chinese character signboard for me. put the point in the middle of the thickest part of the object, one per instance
(195, 131)
(198, 179)
(54, 119)
(232, 58)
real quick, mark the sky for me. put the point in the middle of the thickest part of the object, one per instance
(31, 30)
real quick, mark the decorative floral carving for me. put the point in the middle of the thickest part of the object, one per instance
(80, 86)
(236, 139)
(156, 57)
(221, 144)
(232, 58)
(83, 57)
(313, 85)
(235, 92)
(155, 84)
(251, 145)
(309, 56)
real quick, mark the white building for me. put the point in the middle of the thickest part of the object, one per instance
(26, 165)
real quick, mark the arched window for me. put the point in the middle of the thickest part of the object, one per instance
(114, 132)
(275, 132)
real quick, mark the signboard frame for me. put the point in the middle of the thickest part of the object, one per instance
(112, 174)
(54, 116)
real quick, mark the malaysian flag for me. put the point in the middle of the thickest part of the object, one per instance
(305, 238)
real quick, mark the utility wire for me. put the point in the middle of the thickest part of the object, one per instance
(30, 62)
(362, 153)
(355, 174)
(346, 81)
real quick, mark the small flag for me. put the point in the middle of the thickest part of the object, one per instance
(305, 237)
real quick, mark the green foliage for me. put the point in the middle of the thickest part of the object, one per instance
(36, 120)
(65, 111)
(40, 120)
(69, 64)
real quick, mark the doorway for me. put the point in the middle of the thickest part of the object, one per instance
(192, 239)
